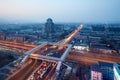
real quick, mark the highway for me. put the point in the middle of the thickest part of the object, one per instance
(35, 69)
(25, 71)
(92, 57)
(29, 46)
(17, 45)
(39, 70)
(71, 36)
(43, 72)
(52, 70)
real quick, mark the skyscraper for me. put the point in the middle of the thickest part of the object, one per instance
(49, 27)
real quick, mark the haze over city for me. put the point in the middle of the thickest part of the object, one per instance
(59, 40)
(95, 11)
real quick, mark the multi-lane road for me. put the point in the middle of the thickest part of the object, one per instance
(72, 35)
(43, 72)
(92, 57)
(25, 70)
(34, 69)
(17, 45)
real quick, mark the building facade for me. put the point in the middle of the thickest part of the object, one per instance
(102, 68)
(107, 70)
(17, 38)
(96, 73)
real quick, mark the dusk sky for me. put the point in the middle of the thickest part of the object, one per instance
(95, 11)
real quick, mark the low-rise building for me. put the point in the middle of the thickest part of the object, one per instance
(83, 47)
(18, 38)
(102, 71)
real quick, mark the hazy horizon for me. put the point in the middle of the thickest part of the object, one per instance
(76, 11)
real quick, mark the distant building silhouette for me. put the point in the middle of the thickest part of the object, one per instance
(49, 27)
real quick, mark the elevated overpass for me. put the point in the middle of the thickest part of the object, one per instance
(41, 52)
(29, 46)
(46, 53)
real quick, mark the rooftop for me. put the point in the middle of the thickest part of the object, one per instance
(105, 64)
(95, 67)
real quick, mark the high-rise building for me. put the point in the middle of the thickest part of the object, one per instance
(96, 73)
(107, 70)
(49, 27)
(2, 36)
(104, 68)
(116, 69)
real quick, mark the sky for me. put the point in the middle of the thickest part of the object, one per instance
(86, 11)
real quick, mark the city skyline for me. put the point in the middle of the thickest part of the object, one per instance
(102, 11)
